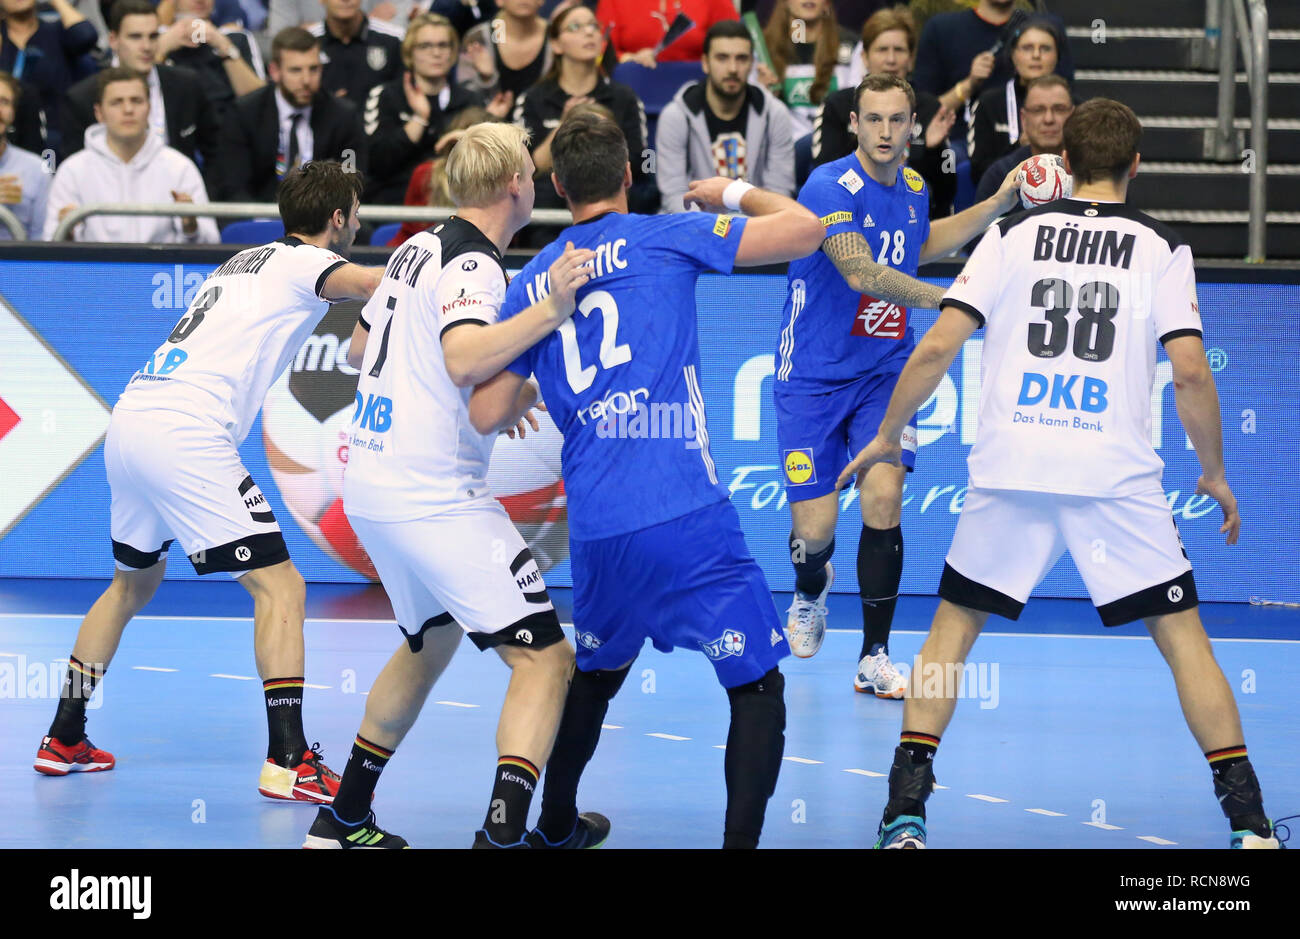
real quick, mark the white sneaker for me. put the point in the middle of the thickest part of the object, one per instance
(877, 674)
(805, 623)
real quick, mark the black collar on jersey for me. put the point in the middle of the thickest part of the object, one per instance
(597, 218)
(291, 240)
(459, 236)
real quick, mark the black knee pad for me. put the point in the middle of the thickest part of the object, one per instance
(599, 685)
(758, 700)
(771, 685)
(812, 562)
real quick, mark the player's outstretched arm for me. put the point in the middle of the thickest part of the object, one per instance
(779, 229)
(949, 234)
(920, 376)
(1197, 400)
(852, 257)
(474, 355)
(352, 282)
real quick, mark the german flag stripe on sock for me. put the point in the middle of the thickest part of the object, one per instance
(520, 762)
(374, 748)
(1227, 753)
(82, 668)
(280, 684)
(909, 736)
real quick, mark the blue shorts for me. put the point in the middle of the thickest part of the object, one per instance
(689, 583)
(819, 433)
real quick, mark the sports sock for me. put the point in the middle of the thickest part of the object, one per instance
(512, 794)
(911, 778)
(286, 740)
(880, 571)
(1237, 789)
(69, 724)
(360, 776)
(575, 742)
(810, 569)
(755, 744)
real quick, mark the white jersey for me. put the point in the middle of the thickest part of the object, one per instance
(242, 329)
(413, 452)
(1074, 296)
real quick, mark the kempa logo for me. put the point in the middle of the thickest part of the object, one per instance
(75, 892)
(242, 553)
(1175, 593)
(511, 777)
(524, 636)
(282, 702)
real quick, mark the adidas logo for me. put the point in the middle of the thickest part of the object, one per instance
(776, 637)
(868, 222)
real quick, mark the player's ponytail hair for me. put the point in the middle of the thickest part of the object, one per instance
(484, 161)
(310, 195)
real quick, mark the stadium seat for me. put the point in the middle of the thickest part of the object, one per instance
(253, 231)
(384, 233)
(656, 86)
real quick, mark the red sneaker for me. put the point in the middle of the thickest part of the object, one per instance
(310, 781)
(56, 758)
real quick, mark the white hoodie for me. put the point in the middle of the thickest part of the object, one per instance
(96, 174)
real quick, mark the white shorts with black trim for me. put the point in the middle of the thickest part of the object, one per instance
(1127, 550)
(467, 566)
(174, 476)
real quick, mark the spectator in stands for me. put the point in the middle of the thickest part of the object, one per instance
(45, 53)
(467, 14)
(889, 48)
(810, 57)
(286, 124)
(24, 184)
(1034, 49)
(28, 129)
(637, 27)
(307, 13)
(227, 61)
(509, 54)
(957, 56)
(359, 51)
(124, 161)
(724, 126)
(1048, 105)
(574, 78)
(406, 118)
(179, 112)
(428, 184)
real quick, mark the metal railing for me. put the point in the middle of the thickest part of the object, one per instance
(11, 222)
(1228, 24)
(369, 213)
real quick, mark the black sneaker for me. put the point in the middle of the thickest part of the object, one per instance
(481, 841)
(590, 831)
(328, 832)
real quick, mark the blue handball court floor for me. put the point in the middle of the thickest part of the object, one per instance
(1067, 736)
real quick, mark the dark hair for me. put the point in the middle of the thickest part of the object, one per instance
(311, 193)
(1101, 139)
(778, 34)
(881, 82)
(589, 153)
(124, 8)
(15, 86)
(1048, 81)
(553, 30)
(293, 39)
(888, 20)
(1042, 24)
(727, 29)
(118, 74)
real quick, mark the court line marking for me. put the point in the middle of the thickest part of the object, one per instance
(799, 759)
(153, 668)
(308, 684)
(456, 704)
(611, 726)
(668, 736)
(1047, 812)
(235, 677)
(984, 798)
(1154, 840)
(1103, 826)
(866, 772)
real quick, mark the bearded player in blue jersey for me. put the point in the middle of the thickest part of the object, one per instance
(656, 545)
(844, 339)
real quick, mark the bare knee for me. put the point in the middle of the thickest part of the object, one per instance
(882, 497)
(134, 589)
(557, 658)
(279, 585)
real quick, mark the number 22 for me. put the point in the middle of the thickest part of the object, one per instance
(611, 353)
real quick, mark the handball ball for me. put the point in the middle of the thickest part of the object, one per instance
(1043, 179)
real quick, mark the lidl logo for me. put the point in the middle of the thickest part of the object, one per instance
(913, 179)
(799, 469)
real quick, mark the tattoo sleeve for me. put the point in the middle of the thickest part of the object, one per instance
(852, 258)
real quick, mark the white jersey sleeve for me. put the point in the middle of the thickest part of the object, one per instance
(307, 269)
(471, 289)
(1174, 310)
(976, 288)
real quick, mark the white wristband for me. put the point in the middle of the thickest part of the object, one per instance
(732, 195)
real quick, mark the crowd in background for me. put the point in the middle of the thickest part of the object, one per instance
(215, 100)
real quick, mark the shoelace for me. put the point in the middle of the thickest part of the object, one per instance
(1279, 828)
(317, 762)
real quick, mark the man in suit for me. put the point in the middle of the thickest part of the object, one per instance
(179, 112)
(286, 124)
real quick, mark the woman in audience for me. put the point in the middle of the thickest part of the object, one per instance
(429, 181)
(405, 118)
(574, 78)
(810, 57)
(507, 55)
(637, 27)
(889, 48)
(44, 53)
(995, 129)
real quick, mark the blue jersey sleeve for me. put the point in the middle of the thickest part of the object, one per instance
(708, 242)
(515, 303)
(831, 200)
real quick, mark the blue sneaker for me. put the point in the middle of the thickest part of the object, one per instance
(906, 831)
(481, 841)
(1248, 839)
(589, 831)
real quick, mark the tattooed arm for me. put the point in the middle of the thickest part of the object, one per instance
(853, 259)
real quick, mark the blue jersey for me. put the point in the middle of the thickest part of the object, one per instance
(621, 377)
(832, 335)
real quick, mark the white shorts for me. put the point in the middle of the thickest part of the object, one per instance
(467, 566)
(173, 476)
(1127, 551)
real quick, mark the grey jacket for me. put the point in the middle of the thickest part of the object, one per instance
(684, 149)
